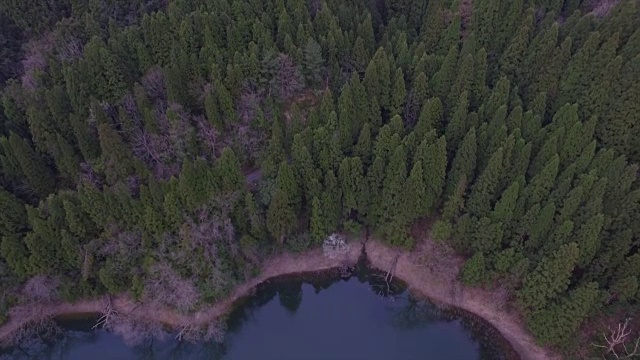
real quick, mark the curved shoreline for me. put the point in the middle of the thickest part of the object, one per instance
(419, 280)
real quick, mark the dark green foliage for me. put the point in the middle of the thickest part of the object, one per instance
(555, 324)
(473, 272)
(36, 174)
(549, 279)
(137, 134)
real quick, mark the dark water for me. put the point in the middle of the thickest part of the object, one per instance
(302, 319)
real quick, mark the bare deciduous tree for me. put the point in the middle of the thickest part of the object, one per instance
(35, 60)
(616, 342)
(149, 148)
(40, 288)
(163, 286)
(192, 333)
(287, 79)
(335, 245)
(89, 176)
(601, 8)
(208, 135)
(249, 103)
(153, 84)
(136, 331)
(70, 49)
(130, 106)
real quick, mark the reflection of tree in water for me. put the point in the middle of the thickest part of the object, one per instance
(323, 283)
(50, 345)
(182, 350)
(381, 284)
(418, 313)
(290, 295)
(492, 346)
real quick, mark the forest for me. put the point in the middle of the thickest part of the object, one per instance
(512, 127)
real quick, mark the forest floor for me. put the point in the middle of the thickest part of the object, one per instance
(429, 270)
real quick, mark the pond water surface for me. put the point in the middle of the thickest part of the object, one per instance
(302, 319)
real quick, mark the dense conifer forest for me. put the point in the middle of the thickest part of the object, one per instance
(512, 127)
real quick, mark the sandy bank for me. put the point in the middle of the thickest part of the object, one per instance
(442, 288)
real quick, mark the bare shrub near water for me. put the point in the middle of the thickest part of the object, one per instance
(335, 245)
(40, 288)
(167, 288)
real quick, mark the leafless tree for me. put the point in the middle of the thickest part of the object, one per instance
(335, 245)
(44, 328)
(70, 49)
(153, 83)
(616, 342)
(247, 140)
(287, 79)
(411, 110)
(109, 314)
(149, 148)
(133, 184)
(208, 135)
(209, 230)
(601, 8)
(249, 103)
(40, 288)
(192, 333)
(130, 106)
(163, 286)
(315, 6)
(35, 60)
(136, 331)
(122, 247)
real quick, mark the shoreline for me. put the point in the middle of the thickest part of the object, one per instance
(442, 290)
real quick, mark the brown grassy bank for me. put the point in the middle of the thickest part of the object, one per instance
(409, 267)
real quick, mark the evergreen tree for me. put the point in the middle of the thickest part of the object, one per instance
(281, 217)
(351, 178)
(473, 272)
(556, 324)
(13, 217)
(116, 159)
(317, 227)
(430, 118)
(540, 185)
(443, 80)
(436, 165)
(37, 175)
(464, 162)
(228, 173)
(363, 147)
(415, 193)
(313, 62)
(484, 189)
(377, 78)
(398, 95)
(549, 279)
(458, 125)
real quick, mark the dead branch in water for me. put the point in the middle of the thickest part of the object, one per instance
(43, 327)
(108, 316)
(192, 333)
(389, 277)
(388, 287)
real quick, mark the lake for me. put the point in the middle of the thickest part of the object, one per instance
(302, 318)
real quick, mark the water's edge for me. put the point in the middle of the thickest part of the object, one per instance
(312, 263)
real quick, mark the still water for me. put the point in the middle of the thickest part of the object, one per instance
(302, 319)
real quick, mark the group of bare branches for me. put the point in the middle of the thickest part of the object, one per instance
(192, 333)
(138, 330)
(619, 343)
(132, 331)
(35, 295)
